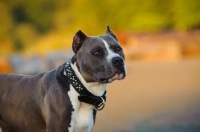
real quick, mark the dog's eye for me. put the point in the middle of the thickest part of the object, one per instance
(96, 53)
(117, 49)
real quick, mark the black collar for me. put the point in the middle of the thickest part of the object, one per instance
(85, 96)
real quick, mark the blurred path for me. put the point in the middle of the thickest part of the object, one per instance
(162, 96)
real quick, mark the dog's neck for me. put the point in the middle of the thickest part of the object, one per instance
(95, 88)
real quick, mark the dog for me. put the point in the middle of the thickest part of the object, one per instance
(65, 99)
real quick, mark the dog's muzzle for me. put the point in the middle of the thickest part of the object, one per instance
(118, 72)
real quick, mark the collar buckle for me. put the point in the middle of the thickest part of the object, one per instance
(100, 106)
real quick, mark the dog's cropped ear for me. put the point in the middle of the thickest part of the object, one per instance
(78, 40)
(108, 31)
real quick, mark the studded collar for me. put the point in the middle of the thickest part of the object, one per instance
(84, 95)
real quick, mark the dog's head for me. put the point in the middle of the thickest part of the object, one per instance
(99, 58)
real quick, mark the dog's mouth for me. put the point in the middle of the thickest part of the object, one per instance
(118, 75)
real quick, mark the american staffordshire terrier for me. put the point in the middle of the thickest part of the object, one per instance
(65, 99)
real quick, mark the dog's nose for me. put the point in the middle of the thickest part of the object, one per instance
(117, 61)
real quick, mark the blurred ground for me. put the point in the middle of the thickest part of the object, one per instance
(155, 96)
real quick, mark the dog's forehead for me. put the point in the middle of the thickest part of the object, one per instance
(109, 39)
(99, 41)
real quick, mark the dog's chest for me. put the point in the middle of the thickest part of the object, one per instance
(82, 116)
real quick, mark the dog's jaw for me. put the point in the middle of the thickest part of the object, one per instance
(95, 88)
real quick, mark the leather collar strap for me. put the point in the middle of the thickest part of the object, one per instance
(85, 96)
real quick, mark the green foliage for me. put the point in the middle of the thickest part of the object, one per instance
(37, 12)
(41, 17)
(187, 14)
(6, 21)
(136, 15)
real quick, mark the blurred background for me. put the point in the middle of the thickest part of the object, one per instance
(161, 41)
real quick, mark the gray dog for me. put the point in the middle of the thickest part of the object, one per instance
(65, 99)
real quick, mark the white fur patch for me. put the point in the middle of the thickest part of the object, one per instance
(111, 54)
(1, 130)
(82, 116)
(73, 95)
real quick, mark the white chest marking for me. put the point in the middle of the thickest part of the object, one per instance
(82, 119)
(82, 116)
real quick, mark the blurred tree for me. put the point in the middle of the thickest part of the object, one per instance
(19, 15)
(18, 45)
(22, 21)
(125, 15)
(6, 21)
(187, 14)
(40, 13)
